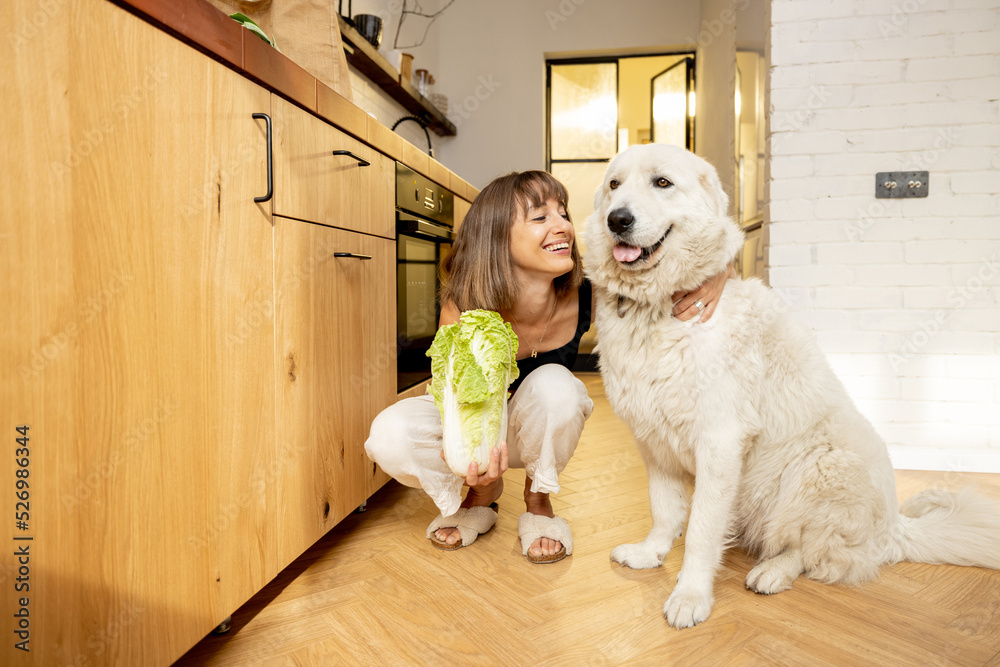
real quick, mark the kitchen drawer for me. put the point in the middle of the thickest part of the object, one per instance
(312, 183)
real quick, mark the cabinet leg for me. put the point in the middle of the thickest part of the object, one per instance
(223, 628)
(363, 507)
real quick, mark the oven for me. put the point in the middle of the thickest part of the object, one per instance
(424, 232)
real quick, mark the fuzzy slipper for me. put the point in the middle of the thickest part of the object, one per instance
(531, 527)
(470, 521)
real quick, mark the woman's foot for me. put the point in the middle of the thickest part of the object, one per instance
(539, 503)
(477, 497)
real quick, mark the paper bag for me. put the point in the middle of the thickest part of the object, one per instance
(306, 31)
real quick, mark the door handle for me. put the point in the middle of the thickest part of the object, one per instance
(270, 161)
(351, 255)
(361, 161)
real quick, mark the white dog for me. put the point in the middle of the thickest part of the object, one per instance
(783, 462)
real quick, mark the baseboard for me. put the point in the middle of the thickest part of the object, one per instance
(948, 460)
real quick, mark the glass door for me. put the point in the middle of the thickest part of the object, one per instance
(671, 108)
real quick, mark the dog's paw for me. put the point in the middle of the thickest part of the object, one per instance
(637, 556)
(687, 607)
(769, 579)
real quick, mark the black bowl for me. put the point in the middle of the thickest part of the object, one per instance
(370, 27)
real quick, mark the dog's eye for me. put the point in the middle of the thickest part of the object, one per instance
(663, 183)
(614, 185)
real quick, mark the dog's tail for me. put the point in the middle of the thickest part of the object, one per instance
(938, 526)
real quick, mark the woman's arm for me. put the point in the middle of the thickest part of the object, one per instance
(685, 304)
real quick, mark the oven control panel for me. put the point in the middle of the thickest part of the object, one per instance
(422, 197)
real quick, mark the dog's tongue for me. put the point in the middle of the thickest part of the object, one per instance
(626, 253)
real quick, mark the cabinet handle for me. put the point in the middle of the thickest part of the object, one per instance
(270, 161)
(361, 161)
(352, 255)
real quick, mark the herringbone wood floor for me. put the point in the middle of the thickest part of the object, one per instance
(374, 592)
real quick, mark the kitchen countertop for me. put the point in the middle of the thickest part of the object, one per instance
(208, 29)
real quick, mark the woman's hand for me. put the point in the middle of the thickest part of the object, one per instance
(494, 470)
(703, 300)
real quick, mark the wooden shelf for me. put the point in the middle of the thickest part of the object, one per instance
(373, 65)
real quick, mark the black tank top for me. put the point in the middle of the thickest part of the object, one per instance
(565, 355)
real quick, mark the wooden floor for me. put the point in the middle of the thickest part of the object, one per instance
(374, 592)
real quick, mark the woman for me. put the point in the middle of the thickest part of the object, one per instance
(516, 254)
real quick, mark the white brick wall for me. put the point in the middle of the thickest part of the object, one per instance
(904, 295)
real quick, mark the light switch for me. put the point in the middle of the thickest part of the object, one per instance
(901, 184)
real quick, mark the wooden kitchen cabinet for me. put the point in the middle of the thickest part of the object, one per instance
(137, 341)
(198, 371)
(335, 318)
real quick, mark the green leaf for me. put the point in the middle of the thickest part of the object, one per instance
(252, 26)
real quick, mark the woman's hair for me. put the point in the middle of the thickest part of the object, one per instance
(479, 271)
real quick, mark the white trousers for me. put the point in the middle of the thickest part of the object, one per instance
(545, 418)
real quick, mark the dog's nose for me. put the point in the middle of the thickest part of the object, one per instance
(619, 220)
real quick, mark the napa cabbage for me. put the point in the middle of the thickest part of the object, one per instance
(472, 363)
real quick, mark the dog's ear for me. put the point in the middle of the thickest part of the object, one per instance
(716, 197)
